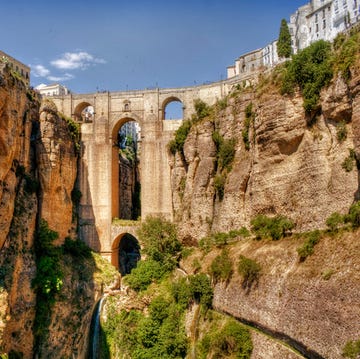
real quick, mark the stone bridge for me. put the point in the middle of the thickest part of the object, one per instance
(99, 169)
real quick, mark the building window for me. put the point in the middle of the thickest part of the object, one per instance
(324, 24)
(317, 27)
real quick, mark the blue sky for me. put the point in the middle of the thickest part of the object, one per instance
(113, 45)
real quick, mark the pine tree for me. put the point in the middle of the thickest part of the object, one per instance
(284, 41)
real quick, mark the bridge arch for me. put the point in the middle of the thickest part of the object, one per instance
(79, 108)
(125, 201)
(177, 107)
(125, 253)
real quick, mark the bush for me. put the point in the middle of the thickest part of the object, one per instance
(225, 150)
(159, 237)
(177, 144)
(311, 70)
(145, 273)
(307, 249)
(271, 227)
(341, 131)
(350, 161)
(48, 280)
(221, 267)
(352, 349)
(201, 290)
(202, 110)
(181, 292)
(334, 221)
(219, 185)
(249, 117)
(233, 338)
(250, 270)
(347, 49)
(220, 239)
(353, 216)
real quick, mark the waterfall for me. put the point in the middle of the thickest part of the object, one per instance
(94, 338)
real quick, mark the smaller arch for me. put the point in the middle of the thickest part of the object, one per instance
(84, 112)
(173, 109)
(125, 253)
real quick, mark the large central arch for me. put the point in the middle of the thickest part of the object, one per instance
(116, 198)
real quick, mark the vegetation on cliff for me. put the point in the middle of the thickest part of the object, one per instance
(158, 329)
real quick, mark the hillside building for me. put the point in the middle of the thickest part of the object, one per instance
(316, 20)
(16, 65)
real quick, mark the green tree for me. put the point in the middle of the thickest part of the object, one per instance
(159, 237)
(284, 41)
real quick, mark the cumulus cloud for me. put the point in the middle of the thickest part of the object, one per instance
(40, 71)
(76, 60)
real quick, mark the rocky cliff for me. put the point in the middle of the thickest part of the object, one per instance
(38, 169)
(289, 166)
(285, 163)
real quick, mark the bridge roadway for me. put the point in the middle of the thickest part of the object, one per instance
(99, 169)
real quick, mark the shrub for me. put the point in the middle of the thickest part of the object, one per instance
(74, 130)
(177, 144)
(347, 49)
(221, 267)
(219, 185)
(159, 237)
(311, 70)
(334, 221)
(249, 117)
(181, 292)
(351, 349)
(341, 131)
(233, 338)
(353, 216)
(202, 110)
(145, 273)
(307, 249)
(48, 280)
(250, 270)
(271, 227)
(225, 151)
(350, 161)
(201, 290)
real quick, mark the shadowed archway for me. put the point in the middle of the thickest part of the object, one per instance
(125, 253)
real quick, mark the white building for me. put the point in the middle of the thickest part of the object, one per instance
(316, 20)
(322, 19)
(52, 90)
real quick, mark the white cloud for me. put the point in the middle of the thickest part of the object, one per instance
(40, 71)
(76, 60)
(64, 77)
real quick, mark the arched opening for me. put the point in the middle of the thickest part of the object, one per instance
(173, 109)
(125, 253)
(126, 186)
(84, 112)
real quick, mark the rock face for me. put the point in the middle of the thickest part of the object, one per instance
(57, 167)
(315, 303)
(38, 168)
(293, 167)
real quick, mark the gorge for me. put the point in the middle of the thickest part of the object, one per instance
(255, 151)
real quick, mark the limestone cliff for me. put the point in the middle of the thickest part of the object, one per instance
(292, 167)
(38, 169)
